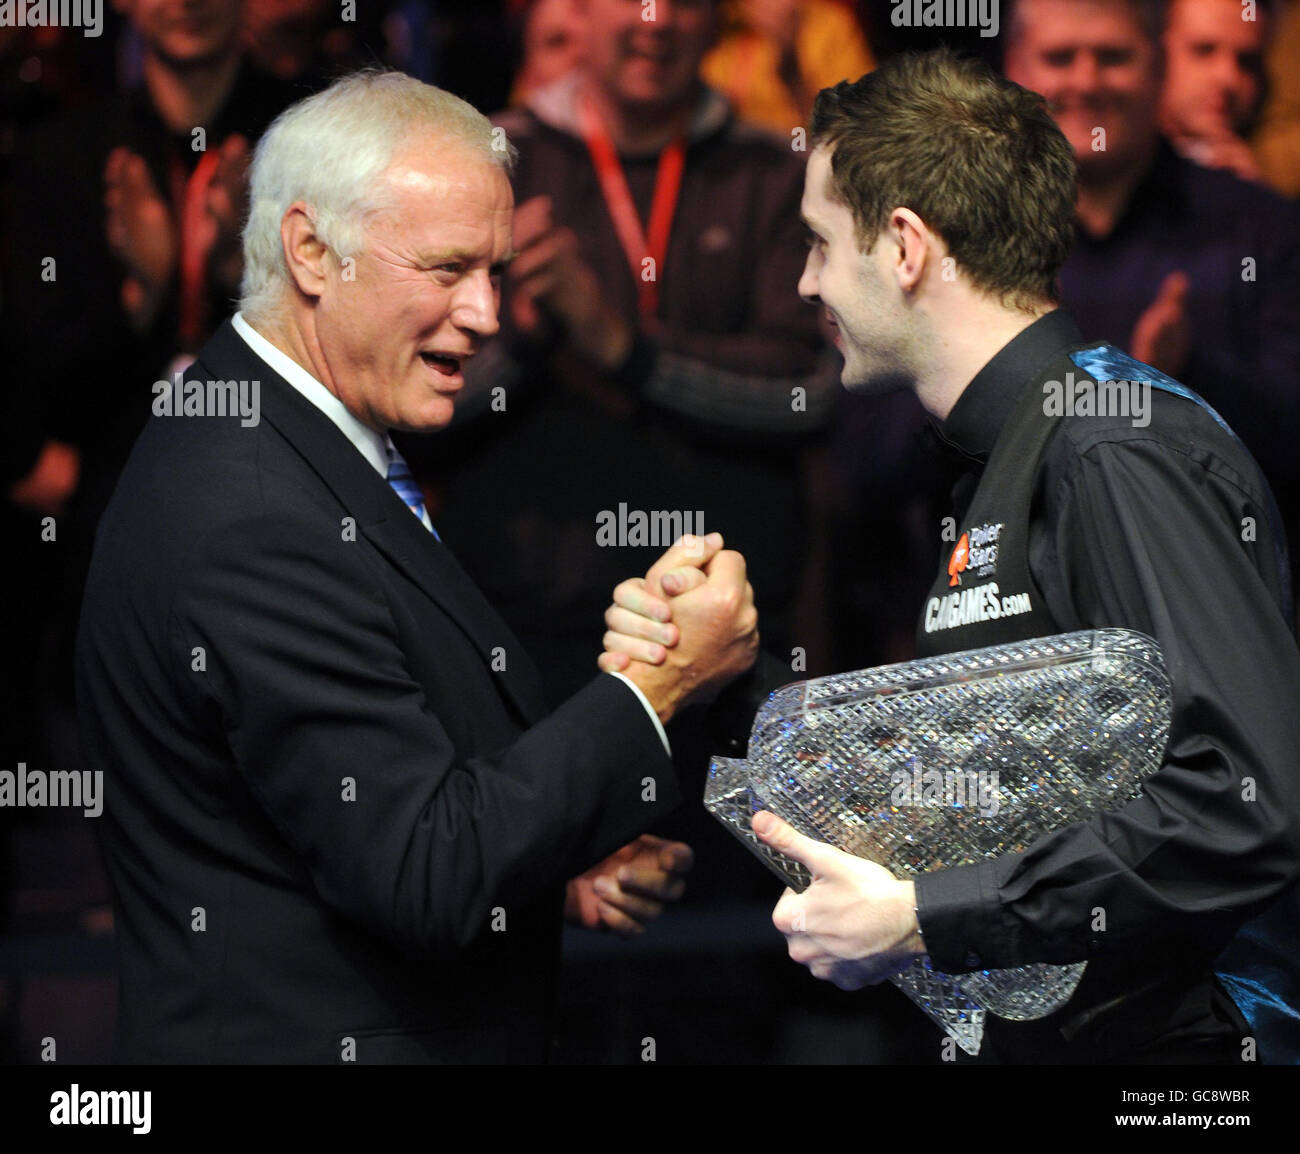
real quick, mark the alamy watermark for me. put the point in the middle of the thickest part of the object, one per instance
(181, 398)
(60, 788)
(1088, 398)
(88, 15)
(77, 1107)
(953, 788)
(657, 527)
(981, 14)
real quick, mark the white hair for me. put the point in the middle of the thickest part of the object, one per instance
(330, 151)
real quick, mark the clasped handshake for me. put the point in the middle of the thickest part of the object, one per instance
(682, 633)
(686, 651)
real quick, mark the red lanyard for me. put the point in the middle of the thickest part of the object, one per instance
(622, 211)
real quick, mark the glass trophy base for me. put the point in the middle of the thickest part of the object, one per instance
(952, 760)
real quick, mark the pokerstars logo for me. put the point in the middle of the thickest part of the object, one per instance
(976, 549)
(959, 560)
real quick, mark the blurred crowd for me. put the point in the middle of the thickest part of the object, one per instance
(700, 385)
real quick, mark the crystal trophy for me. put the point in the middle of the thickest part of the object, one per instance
(951, 760)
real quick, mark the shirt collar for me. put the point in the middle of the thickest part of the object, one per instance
(371, 445)
(977, 418)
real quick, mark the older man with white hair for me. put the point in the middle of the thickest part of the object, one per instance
(337, 822)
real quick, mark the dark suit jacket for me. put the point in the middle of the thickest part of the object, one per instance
(336, 821)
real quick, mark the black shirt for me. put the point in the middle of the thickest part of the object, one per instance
(1162, 528)
(1239, 244)
(92, 372)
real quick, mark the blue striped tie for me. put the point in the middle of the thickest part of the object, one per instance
(403, 483)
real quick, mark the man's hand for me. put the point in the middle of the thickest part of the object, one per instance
(549, 278)
(713, 636)
(1224, 151)
(639, 621)
(226, 199)
(528, 275)
(627, 891)
(855, 925)
(141, 234)
(51, 482)
(1163, 334)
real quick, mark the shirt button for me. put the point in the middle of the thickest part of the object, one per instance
(971, 959)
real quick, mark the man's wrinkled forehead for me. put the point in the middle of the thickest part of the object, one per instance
(429, 169)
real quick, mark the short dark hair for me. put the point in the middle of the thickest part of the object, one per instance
(977, 157)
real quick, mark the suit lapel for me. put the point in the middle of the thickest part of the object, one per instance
(381, 515)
